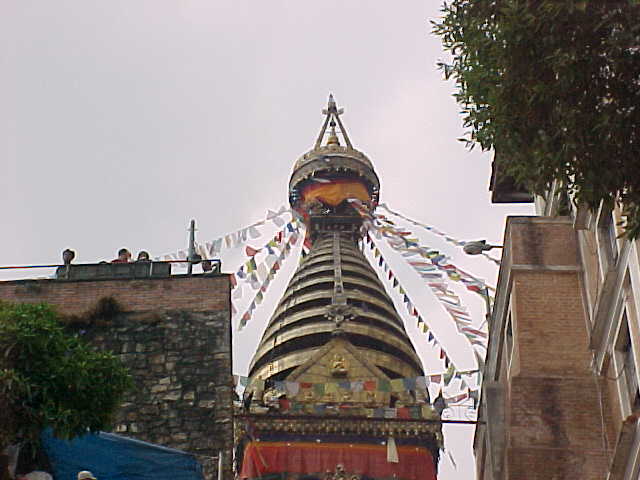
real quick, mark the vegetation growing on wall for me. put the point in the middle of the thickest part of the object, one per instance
(553, 86)
(50, 378)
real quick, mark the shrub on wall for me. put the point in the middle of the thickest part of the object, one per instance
(50, 378)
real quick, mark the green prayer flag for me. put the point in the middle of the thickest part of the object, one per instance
(447, 377)
(318, 389)
(384, 385)
(251, 265)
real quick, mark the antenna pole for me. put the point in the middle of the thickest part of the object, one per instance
(192, 246)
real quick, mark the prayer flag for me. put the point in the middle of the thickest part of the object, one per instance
(253, 232)
(397, 385)
(390, 413)
(292, 387)
(331, 387)
(251, 265)
(240, 273)
(369, 385)
(403, 412)
(284, 404)
(409, 383)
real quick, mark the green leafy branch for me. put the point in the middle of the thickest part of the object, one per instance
(553, 86)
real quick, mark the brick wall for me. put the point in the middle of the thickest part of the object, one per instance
(195, 293)
(174, 336)
(551, 331)
(556, 409)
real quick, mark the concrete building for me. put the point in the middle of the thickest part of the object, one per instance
(560, 395)
(174, 335)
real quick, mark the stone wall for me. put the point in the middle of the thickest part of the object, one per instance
(174, 335)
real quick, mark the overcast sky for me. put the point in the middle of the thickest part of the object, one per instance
(122, 120)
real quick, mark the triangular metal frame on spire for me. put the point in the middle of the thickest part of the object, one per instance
(332, 113)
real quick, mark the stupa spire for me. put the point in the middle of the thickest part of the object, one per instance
(334, 331)
(332, 119)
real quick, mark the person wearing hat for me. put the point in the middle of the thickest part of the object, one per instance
(86, 475)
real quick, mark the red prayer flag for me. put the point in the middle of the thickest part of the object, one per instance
(284, 403)
(403, 412)
(369, 385)
(251, 251)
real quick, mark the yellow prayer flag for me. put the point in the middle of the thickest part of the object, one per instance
(397, 385)
(331, 387)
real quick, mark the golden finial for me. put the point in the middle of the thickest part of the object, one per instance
(333, 137)
(332, 113)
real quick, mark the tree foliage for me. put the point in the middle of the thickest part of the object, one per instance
(50, 378)
(553, 86)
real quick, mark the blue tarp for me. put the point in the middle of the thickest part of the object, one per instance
(114, 457)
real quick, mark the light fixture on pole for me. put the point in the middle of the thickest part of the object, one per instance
(476, 247)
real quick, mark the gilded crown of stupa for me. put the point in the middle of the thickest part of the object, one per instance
(330, 161)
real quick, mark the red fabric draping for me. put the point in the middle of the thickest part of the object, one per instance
(262, 458)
